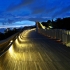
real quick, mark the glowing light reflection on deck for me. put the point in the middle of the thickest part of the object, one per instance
(11, 52)
(16, 55)
(19, 49)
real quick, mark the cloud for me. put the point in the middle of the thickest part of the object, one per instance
(35, 10)
(22, 4)
(18, 24)
(38, 19)
(61, 11)
(51, 10)
(38, 11)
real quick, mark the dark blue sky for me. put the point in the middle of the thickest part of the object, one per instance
(33, 10)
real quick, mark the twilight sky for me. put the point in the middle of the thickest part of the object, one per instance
(23, 11)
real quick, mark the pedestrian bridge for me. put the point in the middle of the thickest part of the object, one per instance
(33, 50)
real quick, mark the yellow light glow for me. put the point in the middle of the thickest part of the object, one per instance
(68, 44)
(18, 49)
(11, 49)
(11, 52)
(16, 55)
(43, 27)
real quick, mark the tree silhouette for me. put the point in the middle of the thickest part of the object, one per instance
(47, 24)
(58, 23)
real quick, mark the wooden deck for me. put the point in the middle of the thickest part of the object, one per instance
(33, 51)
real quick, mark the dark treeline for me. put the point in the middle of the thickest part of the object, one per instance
(30, 27)
(7, 33)
(58, 23)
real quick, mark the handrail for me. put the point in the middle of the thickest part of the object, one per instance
(58, 34)
(8, 39)
(5, 44)
(11, 37)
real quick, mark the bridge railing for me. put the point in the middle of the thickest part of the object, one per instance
(7, 42)
(59, 34)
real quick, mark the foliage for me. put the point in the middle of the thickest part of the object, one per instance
(8, 33)
(58, 23)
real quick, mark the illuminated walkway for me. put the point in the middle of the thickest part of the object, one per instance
(32, 51)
